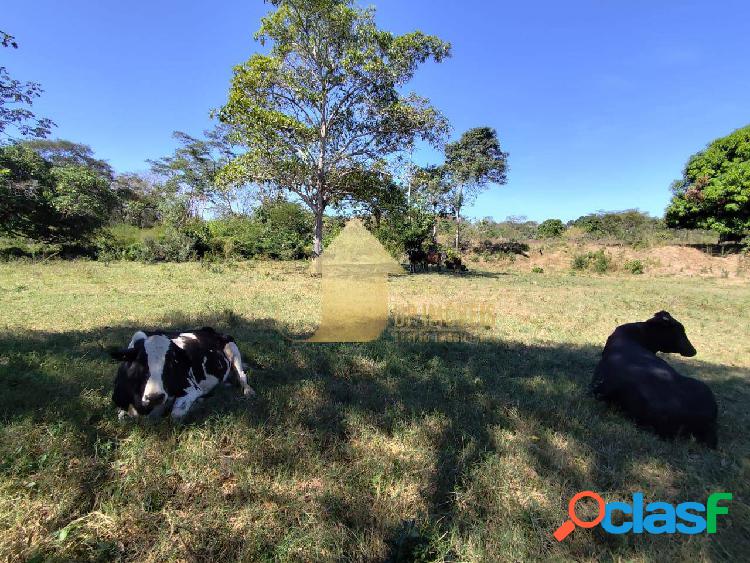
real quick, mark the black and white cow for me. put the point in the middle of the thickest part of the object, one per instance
(164, 369)
(649, 390)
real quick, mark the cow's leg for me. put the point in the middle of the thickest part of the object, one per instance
(160, 410)
(233, 354)
(182, 404)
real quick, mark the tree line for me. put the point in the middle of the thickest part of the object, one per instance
(322, 119)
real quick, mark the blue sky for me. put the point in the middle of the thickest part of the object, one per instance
(599, 103)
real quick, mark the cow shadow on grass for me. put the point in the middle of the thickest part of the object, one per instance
(514, 433)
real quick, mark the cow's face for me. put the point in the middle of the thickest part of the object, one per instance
(668, 335)
(133, 390)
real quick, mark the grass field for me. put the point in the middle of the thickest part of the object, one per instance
(388, 450)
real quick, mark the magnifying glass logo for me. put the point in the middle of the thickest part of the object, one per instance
(569, 525)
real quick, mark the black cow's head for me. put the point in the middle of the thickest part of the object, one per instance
(130, 382)
(666, 334)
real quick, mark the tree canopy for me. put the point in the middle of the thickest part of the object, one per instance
(61, 152)
(48, 203)
(714, 191)
(141, 200)
(326, 103)
(191, 173)
(16, 99)
(471, 163)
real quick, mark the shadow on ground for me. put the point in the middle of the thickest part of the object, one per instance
(496, 400)
(720, 249)
(470, 272)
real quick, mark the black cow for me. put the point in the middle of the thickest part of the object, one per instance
(417, 259)
(631, 376)
(165, 369)
(435, 258)
(455, 264)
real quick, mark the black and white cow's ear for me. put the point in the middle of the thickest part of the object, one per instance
(124, 355)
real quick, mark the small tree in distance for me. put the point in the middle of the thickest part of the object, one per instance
(551, 228)
(471, 163)
(191, 174)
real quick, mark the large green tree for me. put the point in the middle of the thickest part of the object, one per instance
(714, 191)
(326, 102)
(16, 98)
(48, 203)
(472, 163)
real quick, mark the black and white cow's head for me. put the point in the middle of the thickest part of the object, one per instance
(139, 387)
(666, 334)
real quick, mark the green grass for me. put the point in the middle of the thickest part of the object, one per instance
(128, 234)
(380, 451)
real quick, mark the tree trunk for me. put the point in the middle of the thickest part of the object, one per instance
(458, 228)
(318, 232)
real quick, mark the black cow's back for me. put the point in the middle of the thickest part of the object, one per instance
(650, 391)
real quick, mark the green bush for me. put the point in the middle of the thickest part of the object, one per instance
(488, 247)
(635, 266)
(286, 230)
(597, 261)
(580, 262)
(125, 242)
(277, 230)
(235, 236)
(9, 253)
(551, 228)
(601, 262)
(402, 230)
(175, 245)
(15, 248)
(537, 270)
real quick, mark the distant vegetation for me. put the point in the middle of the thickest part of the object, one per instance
(314, 131)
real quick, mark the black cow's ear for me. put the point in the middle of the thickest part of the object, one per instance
(124, 355)
(663, 316)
